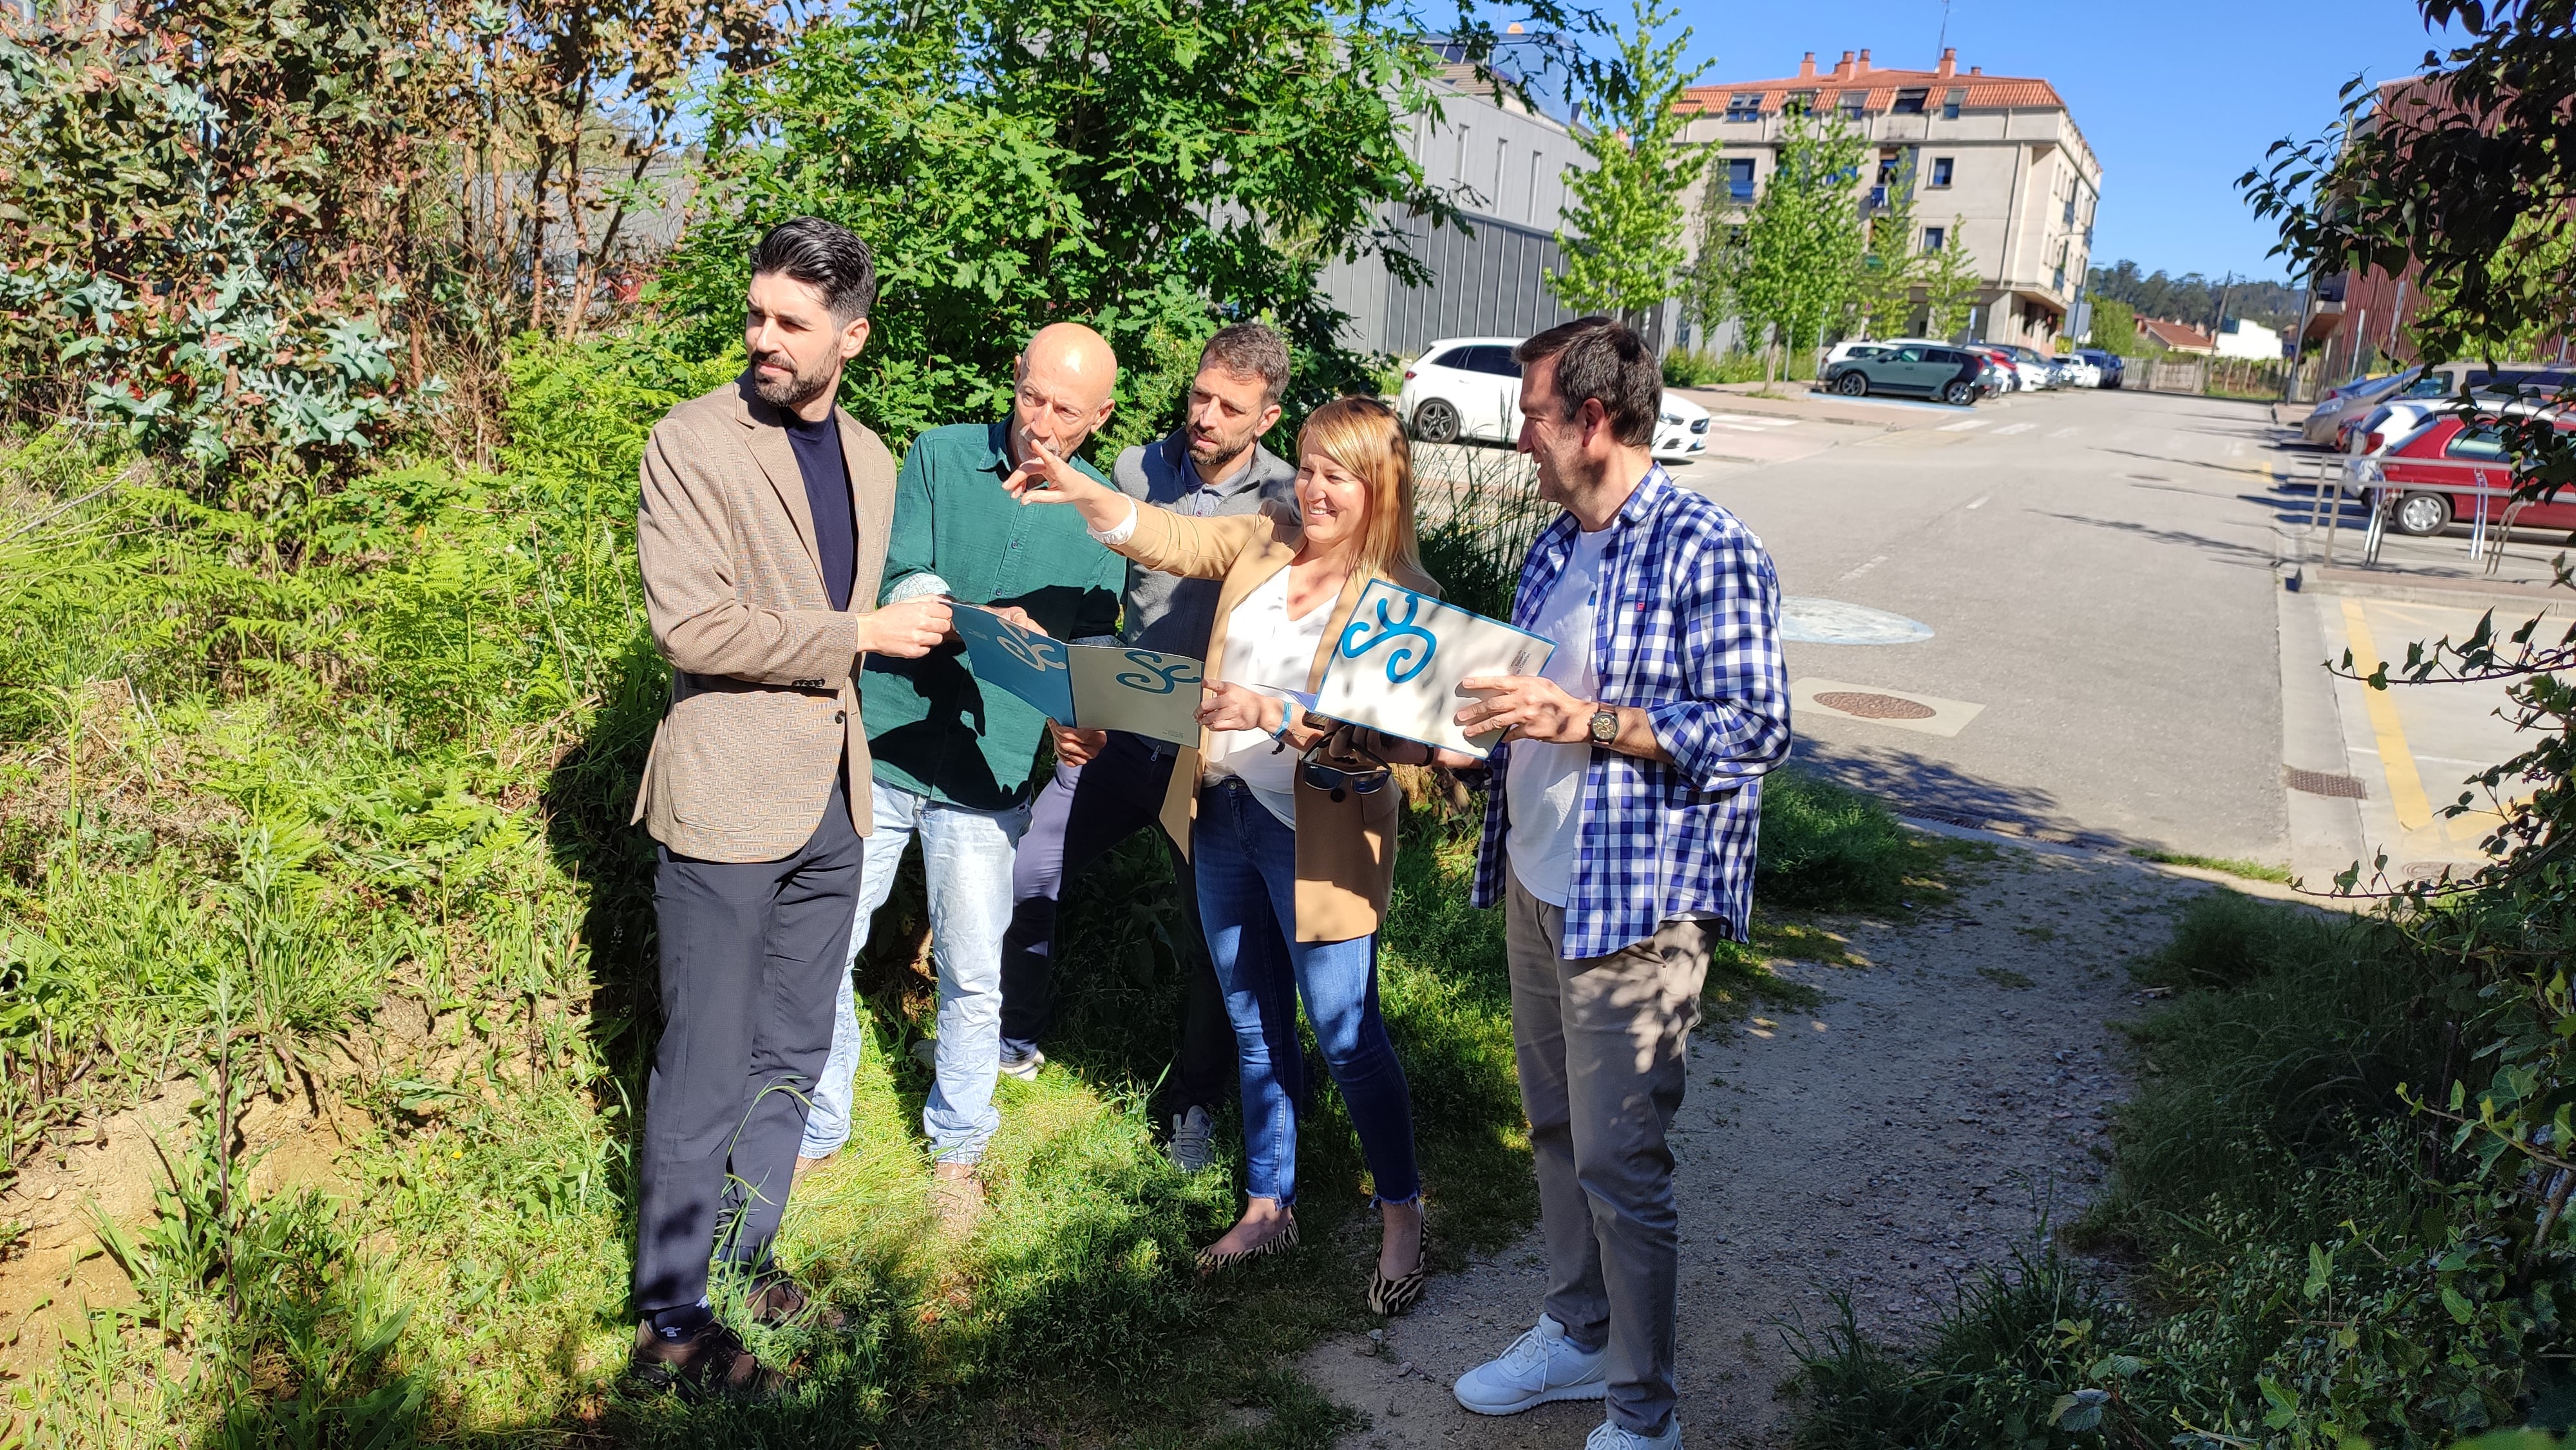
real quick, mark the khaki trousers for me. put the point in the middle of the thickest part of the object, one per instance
(1600, 1042)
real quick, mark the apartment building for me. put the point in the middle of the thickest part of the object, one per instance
(1999, 168)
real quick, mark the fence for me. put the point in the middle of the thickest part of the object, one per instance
(2224, 377)
(2487, 489)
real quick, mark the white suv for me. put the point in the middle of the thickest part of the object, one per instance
(1468, 388)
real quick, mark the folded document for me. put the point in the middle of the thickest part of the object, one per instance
(1087, 686)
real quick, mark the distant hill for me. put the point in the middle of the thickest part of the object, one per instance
(2194, 298)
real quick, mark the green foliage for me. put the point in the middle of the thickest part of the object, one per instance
(1892, 266)
(1622, 236)
(1475, 521)
(1950, 283)
(201, 238)
(1797, 267)
(2115, 325)
(1154, 172)
(2322, 1271)
(1692, 369)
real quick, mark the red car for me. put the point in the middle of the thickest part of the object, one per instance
(2428, 468)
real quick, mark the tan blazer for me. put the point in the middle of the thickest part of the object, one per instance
(764, 700)
(1345, 848)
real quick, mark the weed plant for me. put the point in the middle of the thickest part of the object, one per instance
(2312, 1263)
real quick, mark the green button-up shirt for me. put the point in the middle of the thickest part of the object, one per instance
(932, 726)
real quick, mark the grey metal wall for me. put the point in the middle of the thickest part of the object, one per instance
(1491, 283)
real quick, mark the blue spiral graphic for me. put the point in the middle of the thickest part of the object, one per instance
(1025, 652)
(1156, 676)
(1404, 661)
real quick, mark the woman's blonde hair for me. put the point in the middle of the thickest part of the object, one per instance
(1363, 436)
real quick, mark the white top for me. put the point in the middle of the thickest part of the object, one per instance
(1272, 653)
(1543, 783)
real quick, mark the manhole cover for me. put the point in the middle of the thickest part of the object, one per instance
(1873, 706)
(2437, 870)
(1831, 621)
(2318, 782)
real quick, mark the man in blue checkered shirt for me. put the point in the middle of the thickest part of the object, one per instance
(1619, 838)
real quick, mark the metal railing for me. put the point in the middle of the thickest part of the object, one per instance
(2489, 484)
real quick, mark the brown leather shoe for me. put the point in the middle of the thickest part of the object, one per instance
(710, 1364)
(776, 1299)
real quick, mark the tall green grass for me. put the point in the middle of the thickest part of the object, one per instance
(2310, 1262)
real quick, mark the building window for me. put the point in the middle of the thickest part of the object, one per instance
(1800, 103)
(1951, 103)
(1538, 173)
(1933, 237)
(2059, 285)
(1941, 170)
(1739, 178)
(1877, 199)
(2069, 218)
(1888, 161)
(1746, 107)
(1855, 104)
(1910, 103)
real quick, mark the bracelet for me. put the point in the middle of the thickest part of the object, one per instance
(1281, 734)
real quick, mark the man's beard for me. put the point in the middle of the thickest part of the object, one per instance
(796, 390)
(1220, 449)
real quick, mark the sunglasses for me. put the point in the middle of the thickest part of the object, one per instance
(1337, 777)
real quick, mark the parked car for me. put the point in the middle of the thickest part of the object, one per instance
(2112, 365)
(1469, 388)
(2325, 421)
(2074, 372)
(1851, 346)
(2428, 467)
(1951, 374)
(2032, 366)
(2009, 367)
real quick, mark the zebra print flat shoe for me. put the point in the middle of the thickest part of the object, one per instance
(1210, 1261)
(1393, 1297)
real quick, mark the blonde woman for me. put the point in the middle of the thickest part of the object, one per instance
(1292, 829)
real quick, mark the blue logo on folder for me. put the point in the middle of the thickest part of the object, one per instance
(1405, 660)
(1157, 674)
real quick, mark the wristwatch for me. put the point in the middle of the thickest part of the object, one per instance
(1605, 725)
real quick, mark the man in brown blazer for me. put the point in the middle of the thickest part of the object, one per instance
(764, 518)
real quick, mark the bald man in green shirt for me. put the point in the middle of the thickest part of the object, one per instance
(953, 757)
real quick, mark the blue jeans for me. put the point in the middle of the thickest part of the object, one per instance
(1247, 870)
(966, 864)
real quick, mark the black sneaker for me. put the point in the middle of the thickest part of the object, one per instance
(710, 1362)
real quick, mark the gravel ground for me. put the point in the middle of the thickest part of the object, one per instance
(1950, 1093)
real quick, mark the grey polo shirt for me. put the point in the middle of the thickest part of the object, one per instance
(1165, 612)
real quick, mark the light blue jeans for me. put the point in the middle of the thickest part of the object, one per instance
(966, 863)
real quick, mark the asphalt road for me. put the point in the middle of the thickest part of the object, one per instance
(2096, 570)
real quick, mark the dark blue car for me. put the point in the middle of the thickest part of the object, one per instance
(2108, 362)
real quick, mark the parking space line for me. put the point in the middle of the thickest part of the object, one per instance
(2405, 785)
(2065, 432)
(2011, 428)
(1963, 425)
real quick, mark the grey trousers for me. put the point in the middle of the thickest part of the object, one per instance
(1600, 1044)
(752, 957)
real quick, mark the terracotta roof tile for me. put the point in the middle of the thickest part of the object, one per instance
(1984, 92)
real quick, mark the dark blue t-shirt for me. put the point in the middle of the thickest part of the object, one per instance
(827, 493)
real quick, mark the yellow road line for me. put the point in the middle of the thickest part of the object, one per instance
(2405, 787)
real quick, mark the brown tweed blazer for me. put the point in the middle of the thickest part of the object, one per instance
(764, 695)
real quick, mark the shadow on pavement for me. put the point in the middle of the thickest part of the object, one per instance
(1938, 791)
(2244, 554)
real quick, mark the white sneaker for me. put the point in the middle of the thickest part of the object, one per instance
(1193, 1145)
(1607, 1436)
(1540, 1367)
(1023, 1068)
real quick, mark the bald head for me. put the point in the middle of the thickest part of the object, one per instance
(1066, 377)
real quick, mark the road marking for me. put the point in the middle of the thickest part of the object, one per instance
(1863, 569)
(2012, 428)
(2405, 786)
(2065, 432)
(1963, 425)
(1981, 501)
(1755, 419)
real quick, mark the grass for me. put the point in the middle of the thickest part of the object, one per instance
(2285, 1256)
(2242, 866)
(320, 801)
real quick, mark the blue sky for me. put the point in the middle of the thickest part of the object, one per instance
(2178, 97)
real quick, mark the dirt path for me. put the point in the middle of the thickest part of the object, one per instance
(1911, 1128)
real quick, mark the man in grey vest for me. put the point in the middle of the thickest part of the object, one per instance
(1110, 784)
